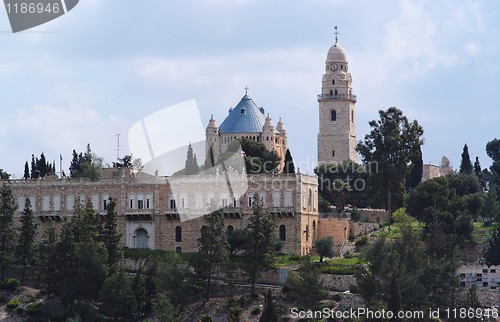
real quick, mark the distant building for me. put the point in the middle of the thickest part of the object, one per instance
(433, 171)
(481, 276)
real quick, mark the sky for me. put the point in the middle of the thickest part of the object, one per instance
(97, 70)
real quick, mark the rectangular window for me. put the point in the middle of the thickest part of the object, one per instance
(131, 205)
(172, 204)
(105, 204)
(147, 203)
(493, 270)
(140, 204)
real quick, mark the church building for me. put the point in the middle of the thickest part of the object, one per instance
(246, 120)
(151, 209)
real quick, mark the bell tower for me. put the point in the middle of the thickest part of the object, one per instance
(337, 105)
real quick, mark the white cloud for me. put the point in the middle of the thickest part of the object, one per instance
(62, 129)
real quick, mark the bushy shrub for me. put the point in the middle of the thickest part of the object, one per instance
(34, 309)
(13, 304)
(10, 284)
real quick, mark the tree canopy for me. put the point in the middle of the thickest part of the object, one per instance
(388, 151)
(85, 165)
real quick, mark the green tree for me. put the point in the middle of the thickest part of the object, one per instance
(416, 170)
(269, 313)
(477, 168)
(85, 165)
(259, 250)
(305, 288)
(236, 239)
(191, 166)
(404, 275)
(173, 277)
(454, 199)
(26, 251)
(26, 171)
(7, 230)
(491, 207)
(164, 311)
(139, 287)
(41, 165)
(111, 236)
(117, 296)
(213, 248)
(324, 247)
(387, 153)
(348, 177)
(34, 171)
(492, 250)
(82, 258)
(466, 165)
(493, 151)
(289, 165)
(257, 158)
(49, 259)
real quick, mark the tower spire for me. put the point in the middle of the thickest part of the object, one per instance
(336, 33)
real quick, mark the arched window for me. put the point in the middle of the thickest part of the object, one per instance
(333, 115)
(333, 81)
(307, 232)
(178, 249)
(203, 231)
(333, 154)
(141, 238)
(230, 229)
(352, 116)
(314, 229)
(178, 234)
(335, 93)
(283, 232)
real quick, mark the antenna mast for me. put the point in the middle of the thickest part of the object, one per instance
(118, 146)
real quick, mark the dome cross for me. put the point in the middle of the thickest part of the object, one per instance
(336, 33)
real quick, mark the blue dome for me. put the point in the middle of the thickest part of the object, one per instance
(246, 117)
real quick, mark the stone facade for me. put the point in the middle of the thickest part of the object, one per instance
(337, 131)
(433, 171)
(154, 215)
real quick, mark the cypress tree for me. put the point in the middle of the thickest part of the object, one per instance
(269, 311)
(466, 164)
(26, 171)
(191, 165)
(42, 165)
(7, 230)
(33, 167)
(111, 237)
(477, 167)
(289, 165)
(417, 170)
(26, 249)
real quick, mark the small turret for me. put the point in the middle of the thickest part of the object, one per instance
(281, 127)
(268, 127)
(212, 127)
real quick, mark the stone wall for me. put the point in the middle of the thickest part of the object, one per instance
(149, 204)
